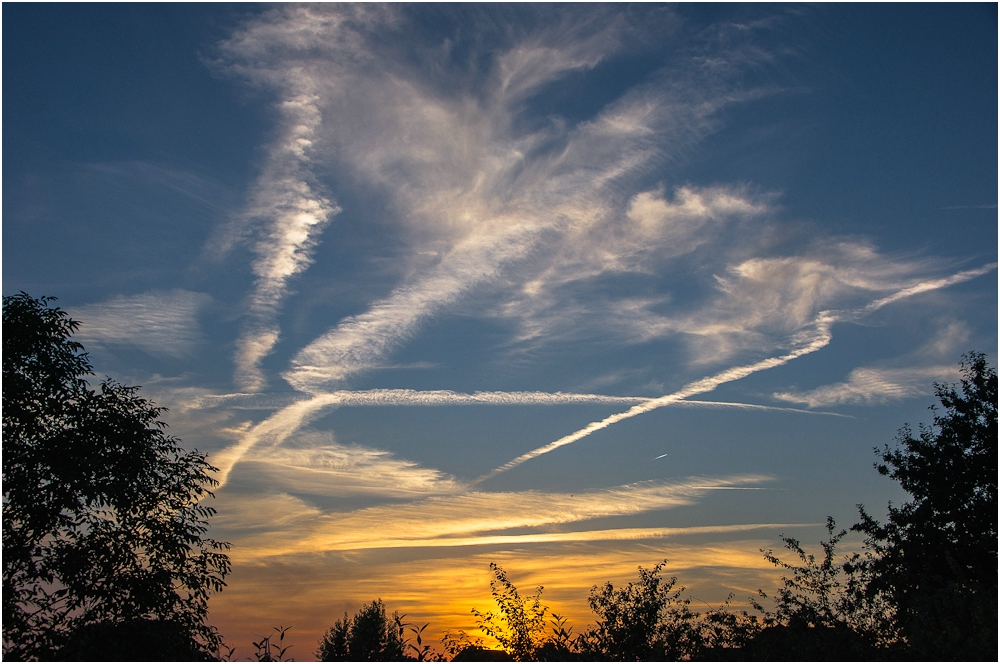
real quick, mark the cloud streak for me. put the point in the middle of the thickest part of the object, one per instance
(287, 210)
(157, 322)
(275, 430)
(871, 386)
(808, 341)
(472, 518)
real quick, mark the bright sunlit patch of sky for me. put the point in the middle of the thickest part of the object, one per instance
(440, 285)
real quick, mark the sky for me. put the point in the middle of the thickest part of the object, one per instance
(571, 288)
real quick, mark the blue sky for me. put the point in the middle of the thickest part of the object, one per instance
(436, 285)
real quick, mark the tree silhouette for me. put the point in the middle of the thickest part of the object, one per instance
(370, 636)
(646, 620)
(934, 560)
(924, 586)
(519, 625)
(103, 548)
(816, 615)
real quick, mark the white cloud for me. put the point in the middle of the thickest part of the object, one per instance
(287, 202)
(557, 301)
(158, 322)
(467, 179)
(872, 386)
(406, 397)
(760, 301)
(268, 436)
(949, 340)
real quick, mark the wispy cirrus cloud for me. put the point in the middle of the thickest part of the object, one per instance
(470, 181)
(318, 465)
(559, 301)
(869, 386)
(157, 322)
(287, 201)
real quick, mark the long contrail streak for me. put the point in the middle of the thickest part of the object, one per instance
(820, 339)
(407, 397)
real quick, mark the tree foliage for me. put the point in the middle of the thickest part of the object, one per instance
(924, 585)
(814, 595)
(103, 520)
(370, 636)
(645, 620)
(934, 559)
(519, 623)
(817, 615)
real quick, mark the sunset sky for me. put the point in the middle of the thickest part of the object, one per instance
(572, 288)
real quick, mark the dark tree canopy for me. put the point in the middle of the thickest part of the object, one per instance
(934, 560)
(103, 521)
(643, 621)
(370, 636)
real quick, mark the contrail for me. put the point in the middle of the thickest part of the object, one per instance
(293, 416)
(820, 338)
(407, 397)
(823, 322)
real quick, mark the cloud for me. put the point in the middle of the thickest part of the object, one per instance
(469, 179)
(287, 209)
(407, 397)
(318, 465)
(950, 337)
(528, 213)
(157, 322)
(475, 518)
(808, 339)
(560, 300)
(761, 300)
(872, 386)
(287, 200)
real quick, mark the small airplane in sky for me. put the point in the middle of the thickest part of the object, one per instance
(659, 457)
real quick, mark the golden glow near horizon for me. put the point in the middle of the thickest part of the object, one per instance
(441, 586)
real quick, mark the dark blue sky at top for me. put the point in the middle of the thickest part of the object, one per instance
(889, 115)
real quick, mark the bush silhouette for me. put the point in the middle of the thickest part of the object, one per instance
(925, 584)
(645, 620)
(519, 623)
(369, 636)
